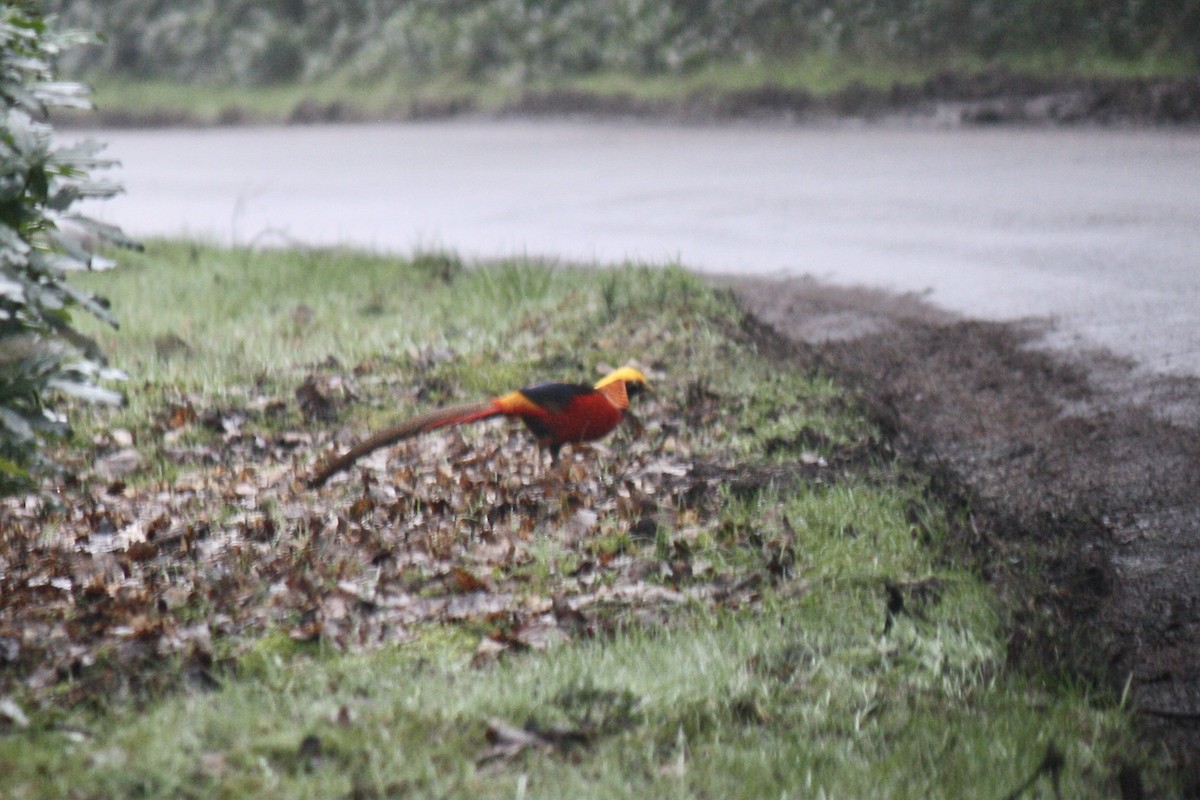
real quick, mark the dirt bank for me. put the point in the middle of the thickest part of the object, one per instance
(992, 97)
(1079, 476)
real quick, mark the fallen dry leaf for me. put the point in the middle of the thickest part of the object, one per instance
(12, 713)
(447, 529)
(507, 741)
(118, 464)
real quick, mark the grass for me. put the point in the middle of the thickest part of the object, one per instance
(825, 74)
(802, 698)
(805, 686)
(244, 320)
(398, 96)
(388, 97)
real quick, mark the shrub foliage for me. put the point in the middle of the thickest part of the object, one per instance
(42, 356)
(263, 41)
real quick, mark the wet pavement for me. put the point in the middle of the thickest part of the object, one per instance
(1097, 229)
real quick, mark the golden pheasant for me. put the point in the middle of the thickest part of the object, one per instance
(556, 413)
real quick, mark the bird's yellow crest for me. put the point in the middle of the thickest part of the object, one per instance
(628, 375)
(617, 386)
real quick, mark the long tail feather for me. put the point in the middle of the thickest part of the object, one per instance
(441, 418)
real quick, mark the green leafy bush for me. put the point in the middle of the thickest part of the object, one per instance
(265, 41)
(42, 357)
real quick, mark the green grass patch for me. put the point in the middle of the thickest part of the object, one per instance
(396, 96)
(392, 96)
(800, 698)
(702, 610)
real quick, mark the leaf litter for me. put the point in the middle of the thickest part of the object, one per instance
(112, 587)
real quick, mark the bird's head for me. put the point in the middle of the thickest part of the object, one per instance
(635, 382)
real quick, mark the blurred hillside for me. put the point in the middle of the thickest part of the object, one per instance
(257, 42)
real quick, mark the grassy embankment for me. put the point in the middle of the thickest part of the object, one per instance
(399, 96)
(737, 645)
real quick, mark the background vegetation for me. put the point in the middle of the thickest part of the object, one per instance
(253, 42)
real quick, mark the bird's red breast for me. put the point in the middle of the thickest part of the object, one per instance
(562, 413)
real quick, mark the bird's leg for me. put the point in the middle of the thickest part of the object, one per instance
(561, 467)
(560, 470)
(632, 421)
(564, 467)
(537, 462)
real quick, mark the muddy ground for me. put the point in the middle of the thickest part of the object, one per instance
(1077, 475)
(991, 97)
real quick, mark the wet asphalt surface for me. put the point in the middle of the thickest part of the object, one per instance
(1095, 228)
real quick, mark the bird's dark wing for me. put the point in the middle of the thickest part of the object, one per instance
(555, 397)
